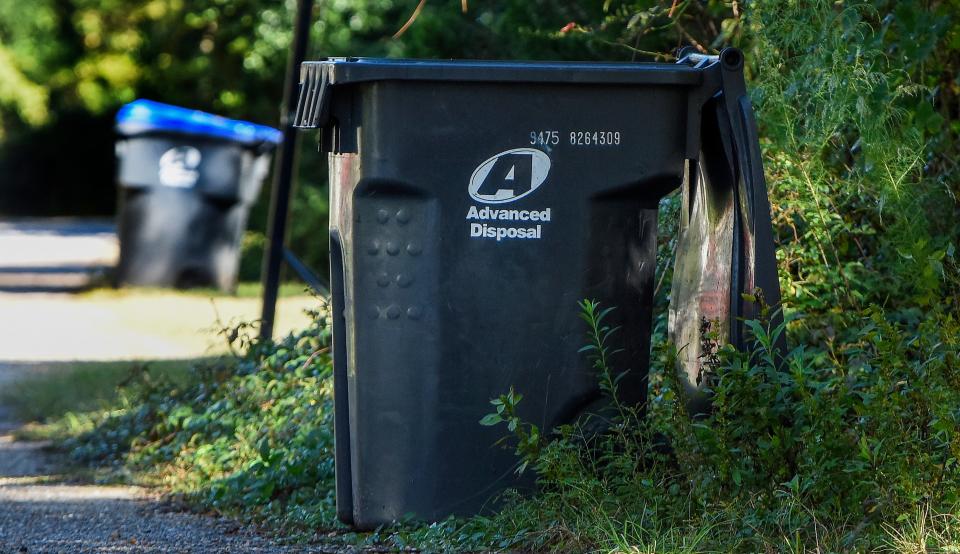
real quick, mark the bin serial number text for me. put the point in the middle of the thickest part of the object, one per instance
(576, 138)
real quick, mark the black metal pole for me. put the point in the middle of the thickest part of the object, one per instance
(283, 178)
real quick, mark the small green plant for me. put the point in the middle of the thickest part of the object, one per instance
(599, 351)
(527, 435)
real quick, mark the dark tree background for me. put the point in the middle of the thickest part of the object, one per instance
(67, 65)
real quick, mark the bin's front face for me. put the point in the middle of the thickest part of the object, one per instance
(184, 204)
(469, 219)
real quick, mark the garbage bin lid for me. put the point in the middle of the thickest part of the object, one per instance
(353, 70)
(316, 78)
(141, 116)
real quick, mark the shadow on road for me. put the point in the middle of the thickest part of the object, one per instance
(56, 255)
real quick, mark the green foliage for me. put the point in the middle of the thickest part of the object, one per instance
(845, 159)
(819, 454)
(870, 437)
(527, 435)
(599, 351)
(53, 390)
(28, 99)
(94, 55)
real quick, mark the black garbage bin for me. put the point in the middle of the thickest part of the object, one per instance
(186, 182)
(472, 205)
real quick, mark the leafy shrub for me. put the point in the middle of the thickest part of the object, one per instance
(821, 452)
(251, 437)
(856, 215)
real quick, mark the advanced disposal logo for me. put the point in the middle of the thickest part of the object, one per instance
(509, 176)
(503, 178)
(178, 167)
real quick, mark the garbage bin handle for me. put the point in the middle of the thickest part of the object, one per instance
(313, 104)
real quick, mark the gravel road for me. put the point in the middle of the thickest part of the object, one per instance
(41, 511)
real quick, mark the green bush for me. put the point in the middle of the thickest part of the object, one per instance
(250, 437)
(821, 454)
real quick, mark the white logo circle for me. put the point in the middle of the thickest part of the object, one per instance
(509, 176)
(178, 167)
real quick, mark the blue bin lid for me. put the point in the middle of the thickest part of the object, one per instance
(141, 116)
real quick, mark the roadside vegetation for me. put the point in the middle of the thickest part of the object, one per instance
(853, 447)
(60, 388)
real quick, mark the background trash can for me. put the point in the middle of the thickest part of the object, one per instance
(472, 205)
(186, 182)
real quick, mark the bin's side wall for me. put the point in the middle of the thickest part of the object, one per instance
(184, 203)
(480, 215)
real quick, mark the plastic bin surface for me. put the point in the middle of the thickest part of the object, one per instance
(473, 204)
